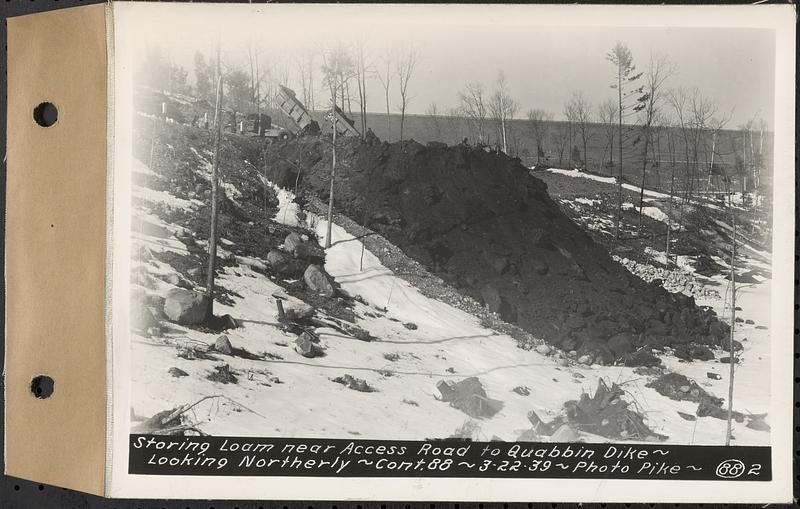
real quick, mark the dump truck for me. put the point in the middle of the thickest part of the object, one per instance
(294, 109)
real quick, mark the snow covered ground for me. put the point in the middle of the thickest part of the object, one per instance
(576, 173)
(281, 393)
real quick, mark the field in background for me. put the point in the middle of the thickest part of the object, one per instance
(522, 144)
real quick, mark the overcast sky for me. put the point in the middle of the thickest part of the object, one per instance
(546, 54)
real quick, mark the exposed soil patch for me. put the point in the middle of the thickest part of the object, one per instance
(483, 224)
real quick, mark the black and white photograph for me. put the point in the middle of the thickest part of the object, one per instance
(432, 224)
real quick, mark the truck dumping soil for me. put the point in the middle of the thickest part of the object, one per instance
(482, 223)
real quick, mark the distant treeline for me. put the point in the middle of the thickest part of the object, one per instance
(734, 151)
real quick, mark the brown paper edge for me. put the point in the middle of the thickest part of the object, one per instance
(56, 248)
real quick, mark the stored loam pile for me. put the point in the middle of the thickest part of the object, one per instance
(483, 224)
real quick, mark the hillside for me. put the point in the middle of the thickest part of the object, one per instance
(482, 223)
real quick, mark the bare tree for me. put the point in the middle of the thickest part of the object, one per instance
(756, 159)
(539, 122)
(363, 69)
(213, 234)
(473, 104)
(581, 110)
(404, 67)
(672, 137)
(305, 67)
(455, 121)
(679, 101)
(622, 59)
(503, 107)
(256, 79)
(715, 125)
(337, 68)
(385, 75)
(435, 115)
(658, 72)
(731, 342)
(607, 113)
(560, 136)
(571, 115)
(700, 111)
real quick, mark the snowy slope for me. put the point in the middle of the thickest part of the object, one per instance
(281, 393)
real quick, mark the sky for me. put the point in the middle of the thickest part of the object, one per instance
(547, 53)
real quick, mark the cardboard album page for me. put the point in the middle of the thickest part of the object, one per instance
(427, 252)
(55, 371)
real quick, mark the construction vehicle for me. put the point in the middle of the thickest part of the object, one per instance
(261, 125)
(294, 109)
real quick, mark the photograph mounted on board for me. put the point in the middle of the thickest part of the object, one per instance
(408, 230)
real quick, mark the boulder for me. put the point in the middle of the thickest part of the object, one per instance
(223, 345)
(356, 384)
(185, 306)
(726, 346)
(318, 281)
(304, 345)
(292, 241)
(278, 260)
(177, 372)
(222, 374)
(543, 349)
(300, 311)
(227, 322)
(469, 396)
(621, 344)
(693, 351)
(522, 390)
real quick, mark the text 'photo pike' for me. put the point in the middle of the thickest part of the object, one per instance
(433, 242)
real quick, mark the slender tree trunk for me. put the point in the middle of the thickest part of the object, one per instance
(585, 155)
(333, 176)
(744, 161)
(503, 125)
(402, 120)
(644, 178)
(711, 163)
(388, 118)
(669, 212)
(212, 239)
(619, 181)
(732, 355)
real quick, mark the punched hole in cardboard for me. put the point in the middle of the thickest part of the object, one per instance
(42, 386)
(45, 114)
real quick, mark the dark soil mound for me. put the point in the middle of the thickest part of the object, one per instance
(481, 222)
